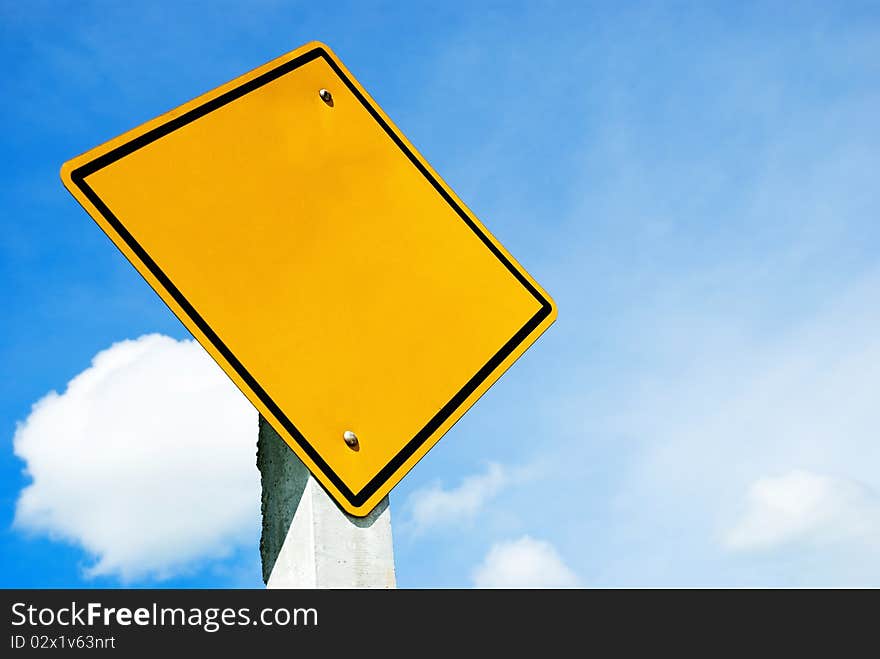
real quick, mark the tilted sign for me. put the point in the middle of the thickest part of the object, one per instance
(314, 253)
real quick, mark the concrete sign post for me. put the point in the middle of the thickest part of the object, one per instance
(307, 541)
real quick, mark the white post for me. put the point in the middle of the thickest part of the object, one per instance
(307, 540)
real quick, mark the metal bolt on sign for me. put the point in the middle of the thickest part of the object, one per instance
(350, 438)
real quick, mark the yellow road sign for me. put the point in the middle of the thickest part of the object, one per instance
(314, 253)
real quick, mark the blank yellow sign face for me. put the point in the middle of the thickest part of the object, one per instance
(321, 261)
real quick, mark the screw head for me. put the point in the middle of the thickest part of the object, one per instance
(350, 438)
(326, 96)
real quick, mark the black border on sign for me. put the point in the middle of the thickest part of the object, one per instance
(356, 499)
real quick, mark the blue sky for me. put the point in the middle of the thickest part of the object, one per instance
(695, 184)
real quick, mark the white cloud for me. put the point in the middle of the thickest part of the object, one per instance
(147, 461)
(524, 563)
(723, 407)
(434, 507)
(802, 506)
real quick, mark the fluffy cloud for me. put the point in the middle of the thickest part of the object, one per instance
(524, 563)
(802, 506)
(435, 507)
(146, 461)
(729, 411)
